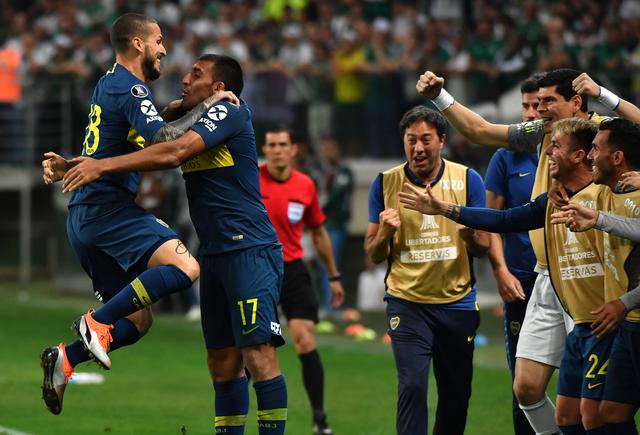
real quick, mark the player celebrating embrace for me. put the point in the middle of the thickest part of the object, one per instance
(132, 258)
(241, 257)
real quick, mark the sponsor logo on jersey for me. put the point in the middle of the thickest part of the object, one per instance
(571, 238)
(428, 223)
(276, 328)
(147, 107)
(161, 222)
(217, 112)
(139, 91)
(210, 125)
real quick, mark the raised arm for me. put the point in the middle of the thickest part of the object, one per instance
(471, 125)
(585, 85)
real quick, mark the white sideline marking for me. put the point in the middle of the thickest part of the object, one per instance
(9, 431)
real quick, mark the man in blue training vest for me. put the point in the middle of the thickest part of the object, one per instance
(242, 262)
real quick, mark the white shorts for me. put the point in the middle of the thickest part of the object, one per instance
(545, 326)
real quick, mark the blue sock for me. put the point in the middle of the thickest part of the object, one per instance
(232, 406)
(124, 333)
(148, 287)
(626, 428)
(597, 431)
(76, 353)
(272, 405)
(574, 429)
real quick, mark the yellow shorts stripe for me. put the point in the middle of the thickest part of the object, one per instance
(143, 296)
(231, 420)
(272, 414)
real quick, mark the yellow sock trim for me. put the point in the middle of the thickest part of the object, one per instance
(272, 414)
(143, 296)
(231, 420)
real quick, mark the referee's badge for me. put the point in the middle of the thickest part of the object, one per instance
(295, 212)
(515, 327)
(394, 322)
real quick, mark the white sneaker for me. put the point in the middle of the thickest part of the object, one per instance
(57, 372)
(96, 338)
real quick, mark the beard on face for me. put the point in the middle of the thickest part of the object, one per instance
(148, 66)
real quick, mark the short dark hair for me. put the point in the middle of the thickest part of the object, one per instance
(227, 70)
(563, 80)
(530, 84)
(624, 135)
(280, 128)
(421, 113)
(128, 26)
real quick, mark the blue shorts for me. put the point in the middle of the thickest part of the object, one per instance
(623, 374)
(239, 296)
(114, 243)
(584, 364)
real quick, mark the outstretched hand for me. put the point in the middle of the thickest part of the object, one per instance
(84, 171)
(424, 202)
(54, 167)
(429, 85)
(576, 217)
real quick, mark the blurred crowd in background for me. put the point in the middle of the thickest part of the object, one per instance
(343, 68)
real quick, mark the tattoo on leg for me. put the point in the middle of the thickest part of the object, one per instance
(182, 249)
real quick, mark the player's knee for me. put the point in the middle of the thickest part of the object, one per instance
(224, 364)
(610, 413)
(527, 391)
(261, 361)
(305, 343)
(191, 268)
(567, 417)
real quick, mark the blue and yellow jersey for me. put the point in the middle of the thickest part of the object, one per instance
(223, 183)
(122, 119)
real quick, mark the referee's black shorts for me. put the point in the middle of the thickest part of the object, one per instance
(298, 298)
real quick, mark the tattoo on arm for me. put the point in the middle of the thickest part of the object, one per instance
(166, 134)
(452, 212)
(182, 249)
(177, 128)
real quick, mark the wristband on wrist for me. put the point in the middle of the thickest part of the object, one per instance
(443, 101)
(608, 98)
(335, 278)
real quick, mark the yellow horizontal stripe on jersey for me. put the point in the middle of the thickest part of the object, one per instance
(217, 157)
(272, 414)
(143, 296)
(231, 420)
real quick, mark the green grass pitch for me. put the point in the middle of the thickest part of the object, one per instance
(161, 385)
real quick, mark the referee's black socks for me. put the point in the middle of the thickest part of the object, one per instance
(313, 379)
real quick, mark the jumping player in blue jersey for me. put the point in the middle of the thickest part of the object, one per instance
(242, 262)
(132, 258)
